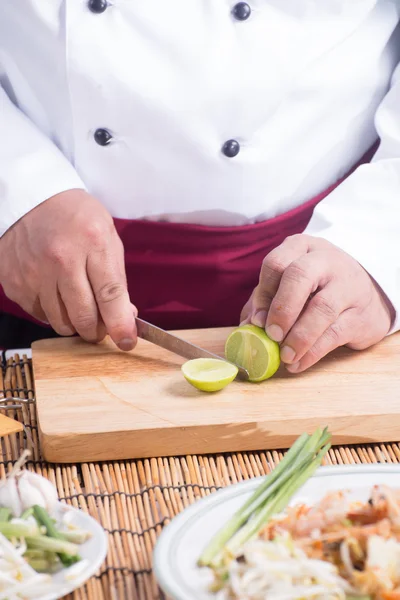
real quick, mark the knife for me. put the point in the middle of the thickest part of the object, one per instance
(164, 339)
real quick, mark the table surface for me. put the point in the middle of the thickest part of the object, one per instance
(134, 499)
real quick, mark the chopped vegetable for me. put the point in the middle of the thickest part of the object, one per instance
(17, 529)
(27, 513)
(68, 552)
(76, 536)
(26, 579)
(48, 544)
(33, 544)
(5, 514)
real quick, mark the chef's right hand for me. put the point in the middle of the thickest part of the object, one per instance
(63, 263)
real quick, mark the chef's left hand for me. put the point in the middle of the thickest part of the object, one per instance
(312, 297)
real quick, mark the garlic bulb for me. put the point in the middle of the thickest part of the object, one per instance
(29, 495)
(22, 489)
(9, 497)
(44, 487)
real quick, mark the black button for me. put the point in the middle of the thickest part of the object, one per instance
(102, 137)
(231, 148)
(241, 11)
(97, 6)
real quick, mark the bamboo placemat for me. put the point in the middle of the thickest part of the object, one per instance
(133, 500)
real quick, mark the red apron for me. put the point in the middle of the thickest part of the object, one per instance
(188, 276)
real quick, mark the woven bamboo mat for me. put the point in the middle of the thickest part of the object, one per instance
(133, 500)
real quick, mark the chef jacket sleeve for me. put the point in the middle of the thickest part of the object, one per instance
(362, 215)
(32, 168)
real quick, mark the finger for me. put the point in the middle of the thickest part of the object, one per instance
(37, 312)
(273, 267)
(81, 306)
(337, 334)
(108, 282)
(35, 309)
(121, 262)
(320, 313)
(246, 313)
(29, 303)
(301, 278)
(54, 308)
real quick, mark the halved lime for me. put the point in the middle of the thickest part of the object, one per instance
(250, 347)
(209, 374)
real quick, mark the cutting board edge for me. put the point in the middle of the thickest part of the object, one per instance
(135, 445)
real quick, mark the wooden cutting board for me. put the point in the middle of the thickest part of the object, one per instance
(97, 403)
(9, 426)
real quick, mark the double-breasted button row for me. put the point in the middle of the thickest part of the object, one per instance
(241, 11)
(231, 148)
(103, 137)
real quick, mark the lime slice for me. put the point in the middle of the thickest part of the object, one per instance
(209, 374)
(250, 347)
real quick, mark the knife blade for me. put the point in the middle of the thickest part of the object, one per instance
(173, 343)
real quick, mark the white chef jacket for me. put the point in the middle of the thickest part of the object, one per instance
(300, 85)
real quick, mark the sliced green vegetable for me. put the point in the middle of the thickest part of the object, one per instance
(36, 554)
(48, 544)
(67, 552)
(18, 530)
(5, 514)
(43, 518)
(76, 536)
(42, 565)
(27, 513)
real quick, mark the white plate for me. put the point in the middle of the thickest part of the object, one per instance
(182, 542)
(94, 551)
(21, 351)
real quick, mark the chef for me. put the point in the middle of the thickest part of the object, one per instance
(186, 159)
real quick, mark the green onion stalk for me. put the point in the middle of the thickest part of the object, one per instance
(54, 541)
(5, 514)
(270, 498)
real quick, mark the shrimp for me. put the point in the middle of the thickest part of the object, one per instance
(391, 595)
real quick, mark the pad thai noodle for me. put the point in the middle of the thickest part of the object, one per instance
(336, 549)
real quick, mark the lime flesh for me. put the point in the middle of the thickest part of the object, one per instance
(250, 347)
(209, 374)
